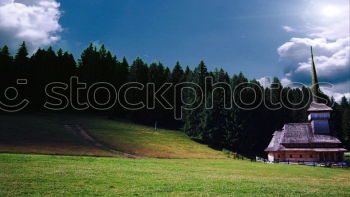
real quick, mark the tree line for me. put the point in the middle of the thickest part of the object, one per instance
(244, 131)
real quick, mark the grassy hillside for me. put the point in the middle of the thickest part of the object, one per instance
(41, 133)
(41, 175)
(146, 141)
(49, 175)
(45, 133)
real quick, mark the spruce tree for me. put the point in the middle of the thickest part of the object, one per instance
(21, 61)
(345, 121)
(194, 125)
(6, 68)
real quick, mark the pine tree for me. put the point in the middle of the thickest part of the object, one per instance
(138, 73)
(194, 125)
(345, 121)
(122, 72)
(6, 66)
(69, 66)
(238, 121)
(21, 61)
(5, 59)
(177, 75)
(88, 64)
(51, 66)
(216, 121)
(153, 74)
(6, 69)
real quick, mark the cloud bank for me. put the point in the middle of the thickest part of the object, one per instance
(328, 33)
(33, 21)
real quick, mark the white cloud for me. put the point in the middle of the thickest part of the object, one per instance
(338, 90)
(265, 81)
(328, 33)
(288, 28)
(328, 19)
(33, 21)
(286, 82)
(331, 58)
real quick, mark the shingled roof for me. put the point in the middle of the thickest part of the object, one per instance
(298, 133)
(301, 136)
(275, 143)
(314, 107)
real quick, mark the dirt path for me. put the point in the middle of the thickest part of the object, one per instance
(80, 132)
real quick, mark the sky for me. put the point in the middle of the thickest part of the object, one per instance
(261, 38)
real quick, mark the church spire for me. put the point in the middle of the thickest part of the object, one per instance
(315, 87)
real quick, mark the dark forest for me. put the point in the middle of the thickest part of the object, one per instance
(245, 131)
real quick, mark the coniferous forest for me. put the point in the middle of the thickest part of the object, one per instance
(221, 126)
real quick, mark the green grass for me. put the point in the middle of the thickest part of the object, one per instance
(145, 141)
(347, 157)
(205, 172)
(44, 133)
(43, 175)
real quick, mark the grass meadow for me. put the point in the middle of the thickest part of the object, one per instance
(44, 133)
(47, 175)
(39, 157)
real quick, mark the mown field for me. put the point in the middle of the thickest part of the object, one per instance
(45, 175)
(40, 157)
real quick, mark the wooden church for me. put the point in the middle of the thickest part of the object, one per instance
(307, 142)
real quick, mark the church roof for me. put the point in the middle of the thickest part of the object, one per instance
(298, 133)
(300, 136)
(316, 149)
(314, 107)
(275, 143)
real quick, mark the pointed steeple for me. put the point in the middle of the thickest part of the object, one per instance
(315, 87)
(319, 113)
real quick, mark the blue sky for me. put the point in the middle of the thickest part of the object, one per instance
(261, 38)
(235, 35)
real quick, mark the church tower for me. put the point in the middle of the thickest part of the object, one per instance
(308, 141)
(319, 113)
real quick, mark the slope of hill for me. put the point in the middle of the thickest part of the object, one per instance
(43, 175)
(47, 133)
(43, 134)
(146, 141)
